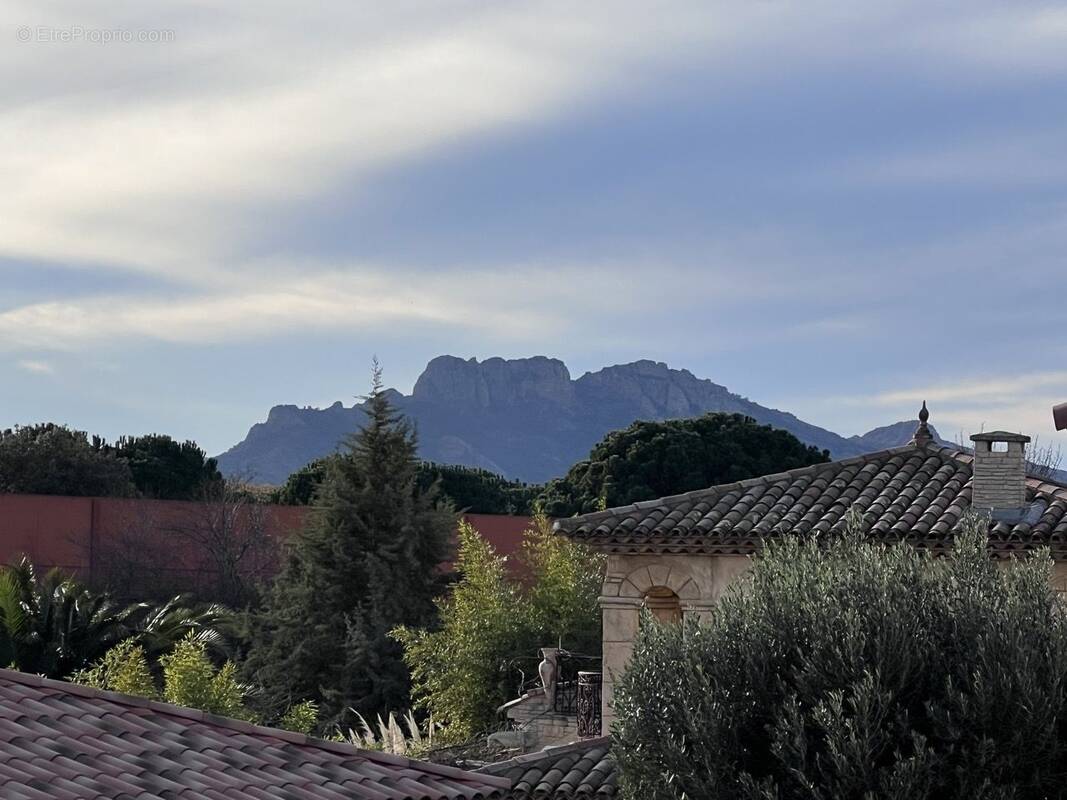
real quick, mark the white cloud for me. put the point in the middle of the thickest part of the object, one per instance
(162, 158)
(159, 157)
(36, 367)
(521, 302)
(1017, 402)
(157, 175)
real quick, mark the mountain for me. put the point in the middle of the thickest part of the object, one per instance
(524, 418)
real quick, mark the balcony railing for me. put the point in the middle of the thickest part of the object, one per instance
(577, 691)
(589, 704)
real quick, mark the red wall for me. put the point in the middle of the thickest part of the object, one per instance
(77, 533)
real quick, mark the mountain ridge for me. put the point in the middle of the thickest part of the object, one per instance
(525, 418)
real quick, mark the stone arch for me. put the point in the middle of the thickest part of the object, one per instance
(664, 604)
(675, 577)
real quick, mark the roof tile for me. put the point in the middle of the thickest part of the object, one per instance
(585, 770)
(67, 742)
(917, 491)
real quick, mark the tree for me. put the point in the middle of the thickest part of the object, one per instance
(228, 534)
(477, 491)
(53, 625)
(53, 459)
(845, 668)
(165, 469)
(219, 548)
(301, 486)
(655, 459)
(492, 625)
(367, 562)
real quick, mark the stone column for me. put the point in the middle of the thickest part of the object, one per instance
(621, 616)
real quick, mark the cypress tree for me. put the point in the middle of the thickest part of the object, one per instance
(367, 562)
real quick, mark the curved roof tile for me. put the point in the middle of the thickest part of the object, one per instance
(68, 742)
(919, 492)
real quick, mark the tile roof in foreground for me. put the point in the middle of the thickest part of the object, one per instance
(585, 770)
(59, 741)
(916, 493)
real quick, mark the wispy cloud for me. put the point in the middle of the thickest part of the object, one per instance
(1020, 402)
(36, 367)
(158, 176)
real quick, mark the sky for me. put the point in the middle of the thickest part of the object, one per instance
(834, 208)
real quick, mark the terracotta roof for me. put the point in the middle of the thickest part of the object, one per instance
(916, 493)
(59, 741)
(582, 770)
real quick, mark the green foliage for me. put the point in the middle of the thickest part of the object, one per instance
(54, 625)
(492, 624)
(477, 491)
(458, 672)
(655, 459)
(368, 562)
(53, 459)
(301, 718)
(561, 602)
(124, 668)
(157, 627)
(165, 469)
(190, 679)
(853, 669)
(301, 487)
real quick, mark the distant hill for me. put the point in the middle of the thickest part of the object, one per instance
(522, 418)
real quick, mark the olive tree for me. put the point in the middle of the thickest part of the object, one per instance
(844, 668)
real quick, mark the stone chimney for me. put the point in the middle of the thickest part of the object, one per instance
(999, 483)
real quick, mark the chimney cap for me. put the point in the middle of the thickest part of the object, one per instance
(1059, 416)
(1000, 436)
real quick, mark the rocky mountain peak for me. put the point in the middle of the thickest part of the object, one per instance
(494, 383)
(524, 417)
(653, 387)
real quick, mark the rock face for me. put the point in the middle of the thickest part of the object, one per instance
(523, 418)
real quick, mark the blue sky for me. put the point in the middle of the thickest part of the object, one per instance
(832, 208)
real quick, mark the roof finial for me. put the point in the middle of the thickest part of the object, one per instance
(922, 436)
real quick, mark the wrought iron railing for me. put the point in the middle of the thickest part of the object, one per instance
(577, 690)
(565, 698)
(589, 704)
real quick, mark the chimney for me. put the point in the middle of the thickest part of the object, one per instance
(999, 483)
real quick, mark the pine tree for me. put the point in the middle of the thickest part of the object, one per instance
(367, 563)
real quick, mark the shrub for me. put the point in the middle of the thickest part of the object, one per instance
(491, 623)
(853, 669)
(124, 668)
(189, 679)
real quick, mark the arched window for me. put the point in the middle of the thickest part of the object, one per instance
(664, 604)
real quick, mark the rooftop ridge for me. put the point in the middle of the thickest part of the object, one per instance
(240, 726)
(546, 753)
(564, 524)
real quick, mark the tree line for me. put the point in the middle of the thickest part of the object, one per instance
(53, 459)
(641, 462)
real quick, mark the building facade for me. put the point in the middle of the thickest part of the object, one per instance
(675, 556)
